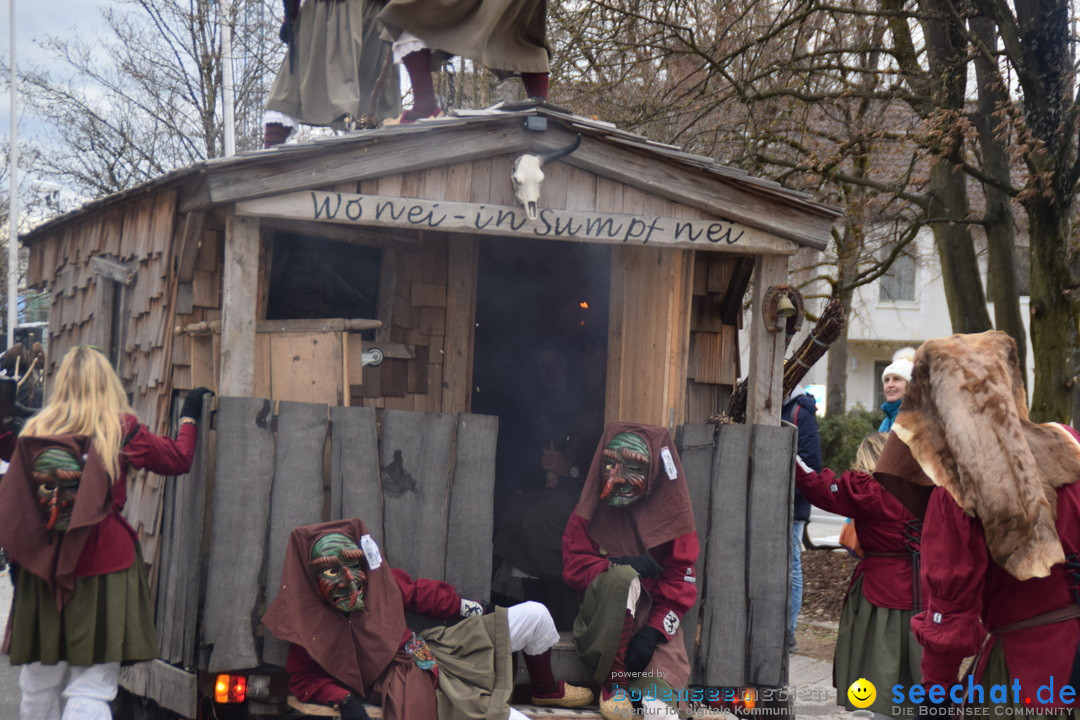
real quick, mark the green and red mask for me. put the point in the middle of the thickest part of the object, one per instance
(338, 567)
(625, 470)
(56, 473)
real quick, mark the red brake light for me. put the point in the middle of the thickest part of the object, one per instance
(230, 689)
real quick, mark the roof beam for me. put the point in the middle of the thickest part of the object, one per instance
(354, 161)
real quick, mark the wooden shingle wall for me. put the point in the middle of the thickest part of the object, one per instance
(140, 236)
(720, 283)
(136, 234)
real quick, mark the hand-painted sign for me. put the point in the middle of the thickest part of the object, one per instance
(423, 214)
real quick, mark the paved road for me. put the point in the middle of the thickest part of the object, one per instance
(9, 676)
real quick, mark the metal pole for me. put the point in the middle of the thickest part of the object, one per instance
(228, 91)
(13, 195)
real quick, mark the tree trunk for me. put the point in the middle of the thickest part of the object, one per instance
(1054, 334)
(837, 371)
(998, 222)
(959, 264)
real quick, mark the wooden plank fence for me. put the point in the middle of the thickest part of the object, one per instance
(425, 485)
(743, 511)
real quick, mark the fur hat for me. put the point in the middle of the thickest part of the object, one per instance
(903, 361)
(965, 421)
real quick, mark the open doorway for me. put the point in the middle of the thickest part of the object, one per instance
(540, 365)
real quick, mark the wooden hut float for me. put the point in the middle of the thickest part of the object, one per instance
(395, 270)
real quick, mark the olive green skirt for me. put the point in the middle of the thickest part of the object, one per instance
(476, 673)
(107, 619)
(875, 643)
(997, 673)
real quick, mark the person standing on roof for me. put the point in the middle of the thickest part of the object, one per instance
(508, 36)
(332, 67)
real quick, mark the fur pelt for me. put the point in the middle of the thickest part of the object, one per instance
(965, 418)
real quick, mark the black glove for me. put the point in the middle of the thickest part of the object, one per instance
(645, 566)
(640, 648)
(352, 708)
(192, 407)
(286, 32)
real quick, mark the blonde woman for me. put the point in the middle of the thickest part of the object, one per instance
(874, 640)
(81, 605)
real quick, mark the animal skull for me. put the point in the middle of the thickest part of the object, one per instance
(527, 176)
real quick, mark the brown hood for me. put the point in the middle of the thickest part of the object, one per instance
(356, 647)
(663, 515)
(49, 554)
(965, 420)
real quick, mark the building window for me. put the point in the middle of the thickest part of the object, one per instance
(879, 387)
(898, 284)
(315, 278)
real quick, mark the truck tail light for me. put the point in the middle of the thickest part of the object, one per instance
(230, 689)
(748, 698)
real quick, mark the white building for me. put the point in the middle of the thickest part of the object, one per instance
(899, 310)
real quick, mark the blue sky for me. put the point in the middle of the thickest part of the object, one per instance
(34, 20)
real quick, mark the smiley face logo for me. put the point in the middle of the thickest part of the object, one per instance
(862, 693)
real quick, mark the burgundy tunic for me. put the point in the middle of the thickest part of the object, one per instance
(674, 590)
(881, 519)
(969, 594)
(111, 544)
(309, 682)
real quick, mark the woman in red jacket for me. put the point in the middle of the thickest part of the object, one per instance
(82, 606)
(875, 640)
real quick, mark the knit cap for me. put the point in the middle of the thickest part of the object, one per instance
(903, 360)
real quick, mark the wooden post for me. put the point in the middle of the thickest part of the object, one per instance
(766, 371)
(238, 305)
(460, 324)
(649, 331)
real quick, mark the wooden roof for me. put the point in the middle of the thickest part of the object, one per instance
(656, 168)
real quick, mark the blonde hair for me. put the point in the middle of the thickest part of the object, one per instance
(868, 452)
(87, 399)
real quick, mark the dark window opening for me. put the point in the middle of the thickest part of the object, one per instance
(314, 279)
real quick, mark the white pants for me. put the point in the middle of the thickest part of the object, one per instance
(61, 691)
(405, 44)
(531, 630)
(273, 116)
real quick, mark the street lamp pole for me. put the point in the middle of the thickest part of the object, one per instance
(13, 195)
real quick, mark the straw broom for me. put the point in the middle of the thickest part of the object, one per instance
(829, 328)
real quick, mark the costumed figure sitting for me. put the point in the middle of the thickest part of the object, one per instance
(342, 607)
(1001, 532)
(82, 605)
(874, 640)
(631, 546)
(508, 36)
(332, 74)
